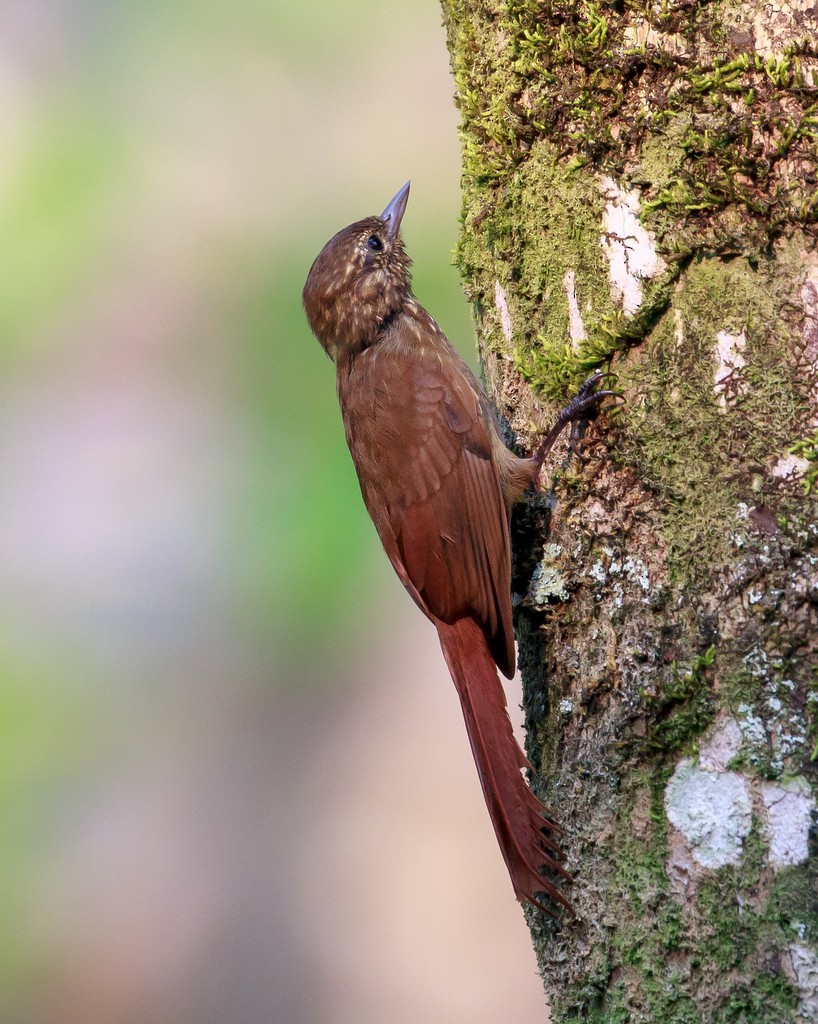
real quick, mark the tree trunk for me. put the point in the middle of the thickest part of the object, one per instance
(640, 192)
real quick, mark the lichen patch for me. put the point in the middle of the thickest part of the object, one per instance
(803, 970)
(548, 581)
(502, 308)
(790, 467)
(631, 252)
(720, 744)
(778, 24)
(788, 815)
(729, 358)
(712, 811)
(576, 328)
(809, 354)
(642, 33)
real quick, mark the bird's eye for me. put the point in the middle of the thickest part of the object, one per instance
(374, 243)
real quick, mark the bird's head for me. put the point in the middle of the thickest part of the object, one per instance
(358, 281)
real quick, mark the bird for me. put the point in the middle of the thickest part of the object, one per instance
(439, 483)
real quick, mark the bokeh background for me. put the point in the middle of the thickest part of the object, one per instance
(234, 782)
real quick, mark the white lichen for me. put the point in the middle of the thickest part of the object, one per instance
(636, 570)
(502, 308)
(774, 732)
(632, 569)
(752, 727)
(576, 328)
(803, 972)
(757, 662)
(547, 580)
(720, 744)
(790, 467)
(809, 356)
(631, 251)
(788, 811)
(729, 359)
(711, 810)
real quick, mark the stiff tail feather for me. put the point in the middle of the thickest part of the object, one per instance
(522, 824)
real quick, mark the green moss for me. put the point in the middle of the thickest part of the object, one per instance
(662, 156)
(640, 874)
(792, 905)
(659, 947)
(540, 88)
(727, 940)
(808, 449)
(683, 708)
(728, 930)
(679, 435)
(645, 977)
(768, 998)
(545, 224)
(740, 938)
(812, 712)
(567, 72)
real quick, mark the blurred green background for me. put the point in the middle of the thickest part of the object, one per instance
(234, 785)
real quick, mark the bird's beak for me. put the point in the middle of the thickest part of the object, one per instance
(393, 214)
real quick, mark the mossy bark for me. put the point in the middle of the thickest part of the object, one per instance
(641, 193)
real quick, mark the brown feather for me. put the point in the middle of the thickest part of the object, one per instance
(521, 823)
(446, 484)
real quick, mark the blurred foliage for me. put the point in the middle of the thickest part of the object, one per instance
(46, 731)
(181, 517)
(55, 205)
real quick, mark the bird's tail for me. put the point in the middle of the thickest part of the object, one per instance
(522, 824)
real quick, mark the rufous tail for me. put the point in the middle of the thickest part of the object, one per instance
(522, 824)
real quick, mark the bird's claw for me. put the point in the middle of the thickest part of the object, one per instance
(585, 399)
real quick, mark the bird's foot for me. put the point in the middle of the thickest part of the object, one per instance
(584, 400)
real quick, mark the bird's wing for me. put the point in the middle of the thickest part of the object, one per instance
(424, 457)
